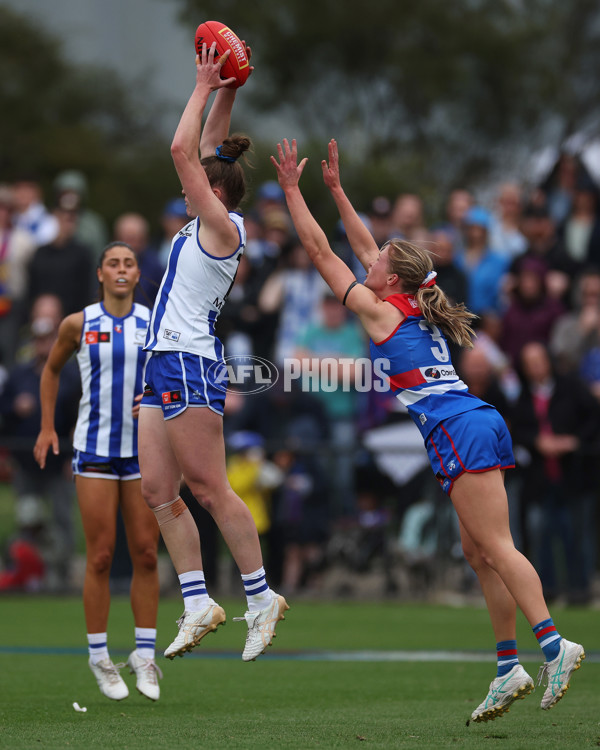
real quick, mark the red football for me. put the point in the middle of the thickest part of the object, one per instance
(237, 65)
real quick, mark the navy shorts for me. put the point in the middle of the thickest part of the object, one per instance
(473, 442)
(105, 467)
(176, 380)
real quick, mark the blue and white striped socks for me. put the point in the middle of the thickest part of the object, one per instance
(258, 593)
(508, 656)
(97, 647)
(145, 642)
(193, 590)
(548, 638)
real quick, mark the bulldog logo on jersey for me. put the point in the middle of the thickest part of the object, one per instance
(171, 397)
(432, 372)
(97, 337)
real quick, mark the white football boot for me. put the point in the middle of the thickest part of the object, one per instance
(261, 627)
(193, 626)
(557, 672)
(109, 680)
(503, 692)
(147, 673)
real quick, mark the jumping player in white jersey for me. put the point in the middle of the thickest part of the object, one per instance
(108, 338)
(181, 420)
(407, 317)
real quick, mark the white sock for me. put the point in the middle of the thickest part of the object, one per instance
(97, 648)
(145, 642)
(258, 593)
(193, 590)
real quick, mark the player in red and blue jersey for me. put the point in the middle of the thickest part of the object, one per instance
(408, 317)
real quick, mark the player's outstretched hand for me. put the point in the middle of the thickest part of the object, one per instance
(331, 171)
(46, 439)
(288, 169)
(208, 72)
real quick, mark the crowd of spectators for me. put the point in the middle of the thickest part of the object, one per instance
(308, 458)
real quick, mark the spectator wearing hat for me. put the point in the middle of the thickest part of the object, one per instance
(174, 218)
(269, 196)
(63, 267)
(72, 193)
(483, 267)
(380, 219)
(544, 243)
(16, 250)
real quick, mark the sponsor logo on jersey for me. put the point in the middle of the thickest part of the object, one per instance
(171, 335)
(118, 328)
(431, 374)
(451, 465)
(171, 397)
(97, 337)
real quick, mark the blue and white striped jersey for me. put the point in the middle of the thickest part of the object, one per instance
(192, 293)
(111, 360)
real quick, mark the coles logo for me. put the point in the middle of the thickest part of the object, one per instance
(439, 373)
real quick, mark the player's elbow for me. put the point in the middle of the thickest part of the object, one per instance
(178, 152)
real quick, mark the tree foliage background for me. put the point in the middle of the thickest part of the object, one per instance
(420, 96)
(56, 115)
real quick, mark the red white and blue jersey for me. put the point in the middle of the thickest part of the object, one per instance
(420, 370)
(192, 293)
(111, 361)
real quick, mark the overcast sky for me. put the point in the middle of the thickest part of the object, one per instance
(141, 39)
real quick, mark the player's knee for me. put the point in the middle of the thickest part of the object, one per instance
(100, 560)
(472, 556)
(205, 499)
(145, 558)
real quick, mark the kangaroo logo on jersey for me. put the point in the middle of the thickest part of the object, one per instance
(97, 337)
(170, 397)
(171, 335)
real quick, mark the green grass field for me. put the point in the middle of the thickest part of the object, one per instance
(297, 696)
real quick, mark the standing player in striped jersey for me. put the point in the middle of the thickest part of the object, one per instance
(407, 317)
(181, 420)
(108, 338)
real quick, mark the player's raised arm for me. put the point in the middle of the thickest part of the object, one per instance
(218, 120)
(184, 148)
(361, 240)
(332, 268)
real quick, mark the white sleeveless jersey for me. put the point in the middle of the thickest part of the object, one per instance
(111, 361)
(192, 293)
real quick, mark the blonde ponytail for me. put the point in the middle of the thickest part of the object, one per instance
(412, 264)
